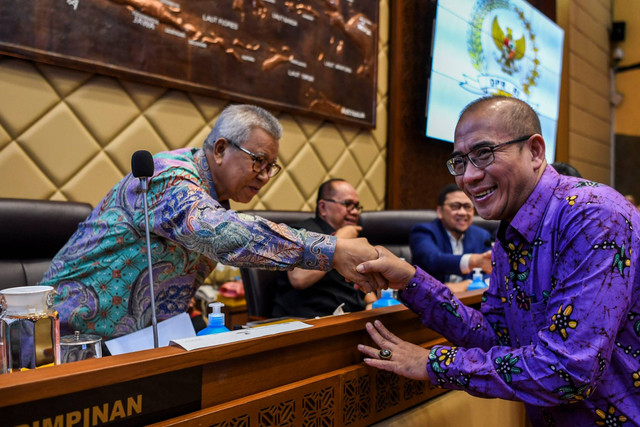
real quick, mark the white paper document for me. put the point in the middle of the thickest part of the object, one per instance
(179, 326)
(238, 335)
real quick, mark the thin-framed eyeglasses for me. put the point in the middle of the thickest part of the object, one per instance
(457, 206)
(348, 204)
(259, 162)
(480, 157)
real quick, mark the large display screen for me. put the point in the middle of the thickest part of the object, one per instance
(493, 47)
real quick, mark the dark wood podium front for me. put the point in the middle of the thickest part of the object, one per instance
(312, 376)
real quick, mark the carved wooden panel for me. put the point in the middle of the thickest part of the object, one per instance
(345, 397)
(318, 407)
(387, 390)
(413, 388)
(357, 405)
(310, 56)
(279, 414)
(241, 421)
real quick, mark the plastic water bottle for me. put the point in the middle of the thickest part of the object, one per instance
(478, 282)
(216, 320)
(386, 299)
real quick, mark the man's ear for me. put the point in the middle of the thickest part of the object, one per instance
(538, 149)
(322, 208)
(439, 212)
(219, 148)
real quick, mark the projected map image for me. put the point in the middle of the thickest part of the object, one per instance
(311, 55)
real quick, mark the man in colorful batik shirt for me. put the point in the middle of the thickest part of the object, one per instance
(559, 326)
(101, 274)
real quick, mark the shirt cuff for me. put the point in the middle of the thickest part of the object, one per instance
(422, 287)
(318, 251)
(464, 264)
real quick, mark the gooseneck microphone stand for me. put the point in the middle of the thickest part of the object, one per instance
(142, 168)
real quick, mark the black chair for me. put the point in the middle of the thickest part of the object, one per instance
(391, 228)
(259, 289)
(33, 231)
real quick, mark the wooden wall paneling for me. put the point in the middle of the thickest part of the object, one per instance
(287, 362)
(352, 396)
(627, 174)
(416, 165)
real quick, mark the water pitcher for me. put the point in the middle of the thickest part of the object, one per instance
(29, 328)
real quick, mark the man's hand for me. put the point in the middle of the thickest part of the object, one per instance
(348, 231)
(407, 359)
(303, 279)
(482, 261)
(396, 273)
(351, 252)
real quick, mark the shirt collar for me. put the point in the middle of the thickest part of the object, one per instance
(200, 160)
(529, 216)
(453, 238)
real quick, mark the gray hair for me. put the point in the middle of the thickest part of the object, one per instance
(236, 122)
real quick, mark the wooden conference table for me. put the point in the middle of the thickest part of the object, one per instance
(313, 376)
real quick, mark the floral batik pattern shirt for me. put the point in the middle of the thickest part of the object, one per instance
(559, 326)
(101, 274)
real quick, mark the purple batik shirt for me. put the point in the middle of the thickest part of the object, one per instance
(559, 326)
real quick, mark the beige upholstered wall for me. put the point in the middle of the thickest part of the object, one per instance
(69, 135)
(585, 115)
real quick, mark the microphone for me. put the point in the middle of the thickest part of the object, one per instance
(142, 164)
(142, 167)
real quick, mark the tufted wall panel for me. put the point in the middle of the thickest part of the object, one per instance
(69, 135)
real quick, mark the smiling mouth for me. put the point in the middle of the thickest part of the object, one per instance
(480, 196)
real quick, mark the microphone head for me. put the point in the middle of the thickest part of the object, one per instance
(142, 164)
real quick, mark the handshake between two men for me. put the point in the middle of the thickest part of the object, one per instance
(371, 268)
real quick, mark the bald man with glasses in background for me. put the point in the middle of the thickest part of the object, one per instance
(308, 293)
(450, 247)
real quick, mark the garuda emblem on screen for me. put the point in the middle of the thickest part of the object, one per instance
(502, 48)
(511, 50)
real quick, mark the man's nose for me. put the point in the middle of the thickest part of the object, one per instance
(472, 173)
(264, 175)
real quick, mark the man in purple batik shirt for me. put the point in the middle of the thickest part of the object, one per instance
(559, 326)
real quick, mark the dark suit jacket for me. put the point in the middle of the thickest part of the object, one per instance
(431, 249)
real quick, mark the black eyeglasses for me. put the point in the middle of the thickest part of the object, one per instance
(259, 162)
(457, 206)
(480, 157)
(348, 205)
